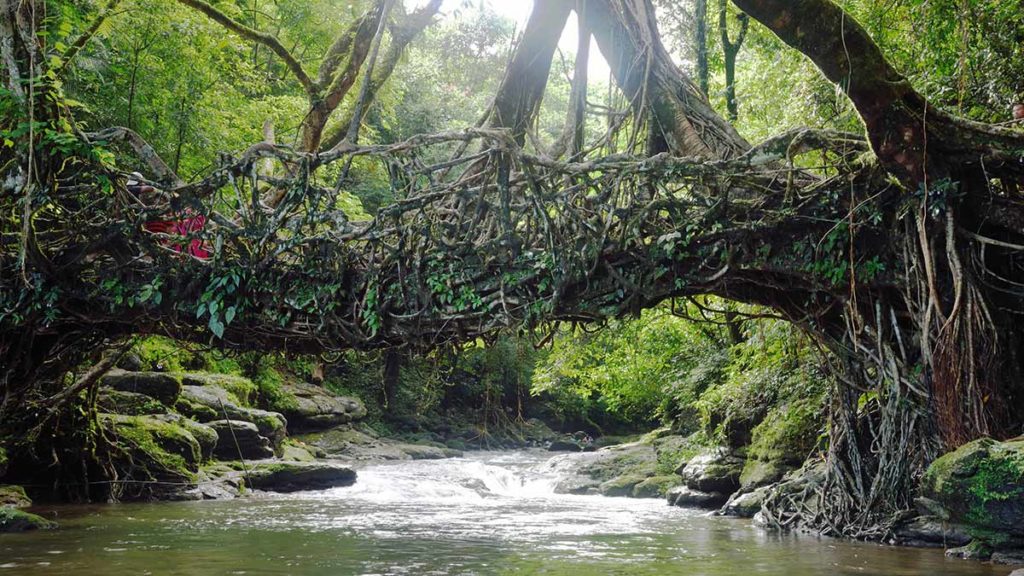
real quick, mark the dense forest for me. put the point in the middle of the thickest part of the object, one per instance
(792, 231)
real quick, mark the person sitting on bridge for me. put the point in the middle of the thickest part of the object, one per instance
(171, 230)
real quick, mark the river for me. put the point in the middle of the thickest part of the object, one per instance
(487, 513)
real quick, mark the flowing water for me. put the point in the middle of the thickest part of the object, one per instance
(488, 513)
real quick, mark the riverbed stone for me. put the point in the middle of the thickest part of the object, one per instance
(757, 473)
(686, 497)
(250, 444)
(587, 471)
(241, 391)
(621, 485)
(168, 444)
(715, 470)
(297, 476)
(745, 504)
(975, 550)
(981, 486)
(565, 445)
(14, 497)
(205, 435)
(14, 520)
(158, 385)
(220, 401)
(655, 486)
(930, 532)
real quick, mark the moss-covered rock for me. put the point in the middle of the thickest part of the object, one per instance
(157, 385)
(220, 401)
(241, 391)
(168, 445)
(293, 451)
(745, 504)
(981, 485)
(296, 476)
(788, 434)
(713, 470)
(3, 461)
(129, 403)
(309, 407)
(686, 497)
(14, 497)
(655, 486)
(194, 410)
(239, 439)
(13, 520)
(621, 485)
(757, 473)
(635, 461)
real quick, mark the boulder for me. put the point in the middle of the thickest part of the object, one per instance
(565, 446)
(757, 473)
(981, 486)
(586, 472)
(424, 452)
(621, 485)
(13, 520)
(655, 487)
(713, 470)
(930, 532)
(170, 445)
(219, 401)
(296, 476)
(206, 436)
(745, 504)
(240, 390)
(686, 497)
(294, 452)
(128, 403)
(309, 407)
(237, 438)
(14, 497)
(3, 461)
(158, 385)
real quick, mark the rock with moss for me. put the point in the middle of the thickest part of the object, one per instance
(169, 444)
(309, 407)
(686, 497)
(930, 532)
(715, 470)
(14, 520)
(157, 385)
(14, 497)
(293, 451)
(621, 485)
(220, 402)
(745, 504)
(240, 439)
(240, 391)
(3, 461)
(981, 486)
(758, 473)
(655, 486)
(205, 435)
(586, 472)
(128, 403)
(298, 476)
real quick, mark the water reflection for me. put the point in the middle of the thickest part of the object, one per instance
(486, 514)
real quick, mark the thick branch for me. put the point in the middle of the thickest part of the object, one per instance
(256, 36)
(143, 150)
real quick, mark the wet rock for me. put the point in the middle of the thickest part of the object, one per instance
(309, 407)
(686, 497)
(14, 497)
(757, 473)
(930, 532)
(250, 444)
(980, 486)
(745, 504)
(586, 472)
(128, 403)
(620, 485)
(655, 487)
(206, 436)
(1019, 572)
(157, 385)
(13, 520)
(295, 452)
(713, 470)
(565, 446)
(1009, 557)
(422, 452)
(240, 390)
(975, 550)
(297, 476)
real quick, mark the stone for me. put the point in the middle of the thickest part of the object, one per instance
(13, 520)
(294, 452)
(1019, 572)
(309, 407)
(713, 470)
(205, 435)
(250, 444)
(158, 385)
(423, 452)
(14, 497)
(584, 473)
(655, 486)
(297, 476)
(981, 486)
(1009, 557)
(975, 550)
(3, 461)
(128, 403)
(620, 485)
(757, 473)
(240, 390)
(745, 504)
(930, 532)
(271, 425)
(686, 497)
(564, 446)
(168, 444)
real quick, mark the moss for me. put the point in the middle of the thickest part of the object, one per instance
(195, 410)
(160, 354)
(273, 394)
(241, 390)
(672, 450)
(3, 461)
(14, 496)
(788, 433)
(169, 446)
(12, 520)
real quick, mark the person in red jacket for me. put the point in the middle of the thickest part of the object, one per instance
(173, 230)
